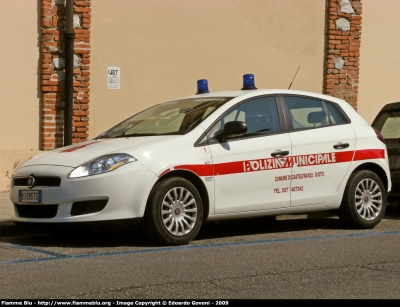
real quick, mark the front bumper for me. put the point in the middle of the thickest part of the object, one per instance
(117, 195)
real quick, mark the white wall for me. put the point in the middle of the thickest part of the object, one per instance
(380, 61)
(164, 46)
(19, 116)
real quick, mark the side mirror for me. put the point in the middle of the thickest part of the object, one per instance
(233, 129)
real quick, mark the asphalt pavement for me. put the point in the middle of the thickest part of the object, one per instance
(316, 258)
(294, 257)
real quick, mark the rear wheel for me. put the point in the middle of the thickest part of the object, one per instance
(364, 200)
(174, 212)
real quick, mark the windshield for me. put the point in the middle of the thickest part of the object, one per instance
(388, 123)
(174, 117)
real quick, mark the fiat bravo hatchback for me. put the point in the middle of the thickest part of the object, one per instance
(213, 156)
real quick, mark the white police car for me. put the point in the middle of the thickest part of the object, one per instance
(212, 156)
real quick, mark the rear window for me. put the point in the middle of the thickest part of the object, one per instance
(388, 123)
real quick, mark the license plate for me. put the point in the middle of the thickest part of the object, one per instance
(394, 161)
(30, 196)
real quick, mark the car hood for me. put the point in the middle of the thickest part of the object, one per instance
(78, 154)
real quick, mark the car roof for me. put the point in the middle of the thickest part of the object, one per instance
(257, 92)
(391, 106)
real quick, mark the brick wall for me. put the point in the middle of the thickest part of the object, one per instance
(342, 54)
(52, 62)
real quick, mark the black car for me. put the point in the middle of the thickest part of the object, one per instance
(387, 122)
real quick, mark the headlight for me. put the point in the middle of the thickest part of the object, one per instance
(101, 165)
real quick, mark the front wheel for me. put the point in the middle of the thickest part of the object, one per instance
(364, 200)
(174, 212)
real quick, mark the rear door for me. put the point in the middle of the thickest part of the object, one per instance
(323, 144)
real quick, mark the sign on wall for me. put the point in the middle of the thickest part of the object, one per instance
(113, 78)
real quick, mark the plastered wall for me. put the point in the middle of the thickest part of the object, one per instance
(164, 47)
(379, 61)
(19, 116)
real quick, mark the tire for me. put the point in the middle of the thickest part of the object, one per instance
(364, 200)
(174, 212)
(270, 218)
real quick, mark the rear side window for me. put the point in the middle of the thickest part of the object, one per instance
(335, 116)
(307, 113)
(388, 123)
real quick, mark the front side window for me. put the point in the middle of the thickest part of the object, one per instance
(260, 115)
(174, 117)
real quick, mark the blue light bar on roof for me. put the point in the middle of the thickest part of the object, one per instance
(248, 82)
(202, 86)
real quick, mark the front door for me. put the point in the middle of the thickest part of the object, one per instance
(251, 172)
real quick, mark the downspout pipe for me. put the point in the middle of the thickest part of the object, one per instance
(69, 71)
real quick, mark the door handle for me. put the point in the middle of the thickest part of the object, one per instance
(280, 153)
(341, 145)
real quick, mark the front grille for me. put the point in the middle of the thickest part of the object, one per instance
(39, 182)
(37, 211)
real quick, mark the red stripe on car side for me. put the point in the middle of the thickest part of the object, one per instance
(200, 170)
(369, 154)
(80, 146)
(163, 173)
(344, 156)
(237, 167)
(229, 168)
